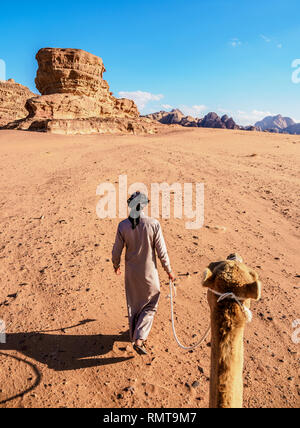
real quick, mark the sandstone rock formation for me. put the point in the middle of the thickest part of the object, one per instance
(274, 123)
(278, 124)
(174, 117)
(189, 121)
(167, 118)
(229, 122)
(13, 97)
(250, 128)
(69, 71)
(76, 99)
(76, 72)
(211, 120)
(107, 125)
(293, 129)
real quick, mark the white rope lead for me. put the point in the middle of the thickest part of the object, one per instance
(239, 301)
(188, 348)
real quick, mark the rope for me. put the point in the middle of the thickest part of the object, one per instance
(188, 348)
(222, 296)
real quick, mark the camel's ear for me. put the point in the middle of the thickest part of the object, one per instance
(254, 290)
(210, 273)
(207, 277)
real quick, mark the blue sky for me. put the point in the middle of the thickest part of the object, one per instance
(231, 56)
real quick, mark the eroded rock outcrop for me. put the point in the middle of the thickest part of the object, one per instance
(76, 72)
(69, 71)
(13, 97)
(74, 91)
(167, 118)
(274, 123)
(211, 120)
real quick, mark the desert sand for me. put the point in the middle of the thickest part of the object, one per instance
(64, 308)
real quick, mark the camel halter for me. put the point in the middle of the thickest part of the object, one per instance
(239, 301)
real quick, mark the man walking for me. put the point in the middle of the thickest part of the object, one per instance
(142, 236)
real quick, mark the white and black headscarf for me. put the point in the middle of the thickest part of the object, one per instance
(136, 203)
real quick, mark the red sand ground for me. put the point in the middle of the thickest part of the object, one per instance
(65, 309)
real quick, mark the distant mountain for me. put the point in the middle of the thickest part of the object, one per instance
(211, 120)
(168, 118)
(293, 129)
(278, 124)
(274, 123)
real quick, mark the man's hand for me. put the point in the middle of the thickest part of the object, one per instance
(171, 276)
(118, 271)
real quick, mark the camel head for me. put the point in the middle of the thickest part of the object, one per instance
(233, 276)
(229, 315)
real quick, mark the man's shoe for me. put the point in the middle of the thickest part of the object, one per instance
(141, 350)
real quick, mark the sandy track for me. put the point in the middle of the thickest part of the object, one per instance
(64, 309)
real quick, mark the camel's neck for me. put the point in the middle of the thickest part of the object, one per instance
(226, 377)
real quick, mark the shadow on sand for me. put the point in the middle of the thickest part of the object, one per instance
(66, 352)
(61, 351)
(35, 371)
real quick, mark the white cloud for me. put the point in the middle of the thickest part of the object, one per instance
(194, 111)
(252, 116)
(141, 98)
(296, 120)
(265, 38)
(166, 106)
(235, 43)
(2, 70)
(268, 40)
(246, 117)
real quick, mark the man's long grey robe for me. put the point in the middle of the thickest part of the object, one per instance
(141, 275)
